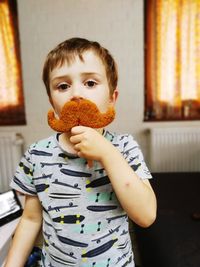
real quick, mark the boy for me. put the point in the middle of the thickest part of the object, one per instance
(83, 183)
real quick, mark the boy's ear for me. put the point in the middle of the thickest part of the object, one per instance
(114, 96)
(50, 100)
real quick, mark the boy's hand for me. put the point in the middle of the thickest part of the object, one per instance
(89, 143)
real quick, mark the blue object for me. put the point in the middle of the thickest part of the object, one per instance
(34, 258)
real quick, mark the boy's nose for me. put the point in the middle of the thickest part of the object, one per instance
(76, 92)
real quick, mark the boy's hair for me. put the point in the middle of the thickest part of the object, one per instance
(69, 49)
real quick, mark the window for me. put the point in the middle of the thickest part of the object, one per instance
(11, 91)
(172, 60)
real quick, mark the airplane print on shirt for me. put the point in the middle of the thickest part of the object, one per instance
(98, 182)
(75, 186)
(64, 196)
(59, 208)
(59, 164)
(99, 250)
(75, 173)
(70, 219)
(40, 153)
(26, 169)
(43, 177)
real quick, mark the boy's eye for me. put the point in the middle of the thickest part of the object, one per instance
(91, 83)
(63, 86)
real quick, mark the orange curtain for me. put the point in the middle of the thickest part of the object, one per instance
(11, 93)
(172, 59)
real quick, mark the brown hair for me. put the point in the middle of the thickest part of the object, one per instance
(67, 50)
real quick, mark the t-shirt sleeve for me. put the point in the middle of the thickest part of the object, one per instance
(133, 154)
(23, 178)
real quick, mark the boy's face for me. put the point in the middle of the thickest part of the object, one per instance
(81, 79)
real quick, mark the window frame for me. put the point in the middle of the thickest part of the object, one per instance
(149, 71)
(14, 115)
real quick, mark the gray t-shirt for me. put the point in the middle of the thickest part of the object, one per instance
(83, 222)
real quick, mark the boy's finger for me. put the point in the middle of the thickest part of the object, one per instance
(89, 164)
(78, 129)
(77, 147)
(76, 138)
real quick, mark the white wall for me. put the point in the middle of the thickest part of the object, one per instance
(116, 24)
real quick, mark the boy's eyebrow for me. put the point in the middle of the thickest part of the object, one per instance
(60, 77)
(82, 74)
(90, 73)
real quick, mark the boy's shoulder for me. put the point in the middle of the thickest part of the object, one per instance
(48, 142)
(119, 139)
(117, 136)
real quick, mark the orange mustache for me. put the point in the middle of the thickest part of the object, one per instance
(80, 112)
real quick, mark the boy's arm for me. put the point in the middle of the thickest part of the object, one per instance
(135, 195)
(26, 233)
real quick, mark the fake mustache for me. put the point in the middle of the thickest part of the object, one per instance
(80, 112)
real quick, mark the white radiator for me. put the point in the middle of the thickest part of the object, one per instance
(11, 149)
(175, 149)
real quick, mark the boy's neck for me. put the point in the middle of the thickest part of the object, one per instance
(65, 143)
